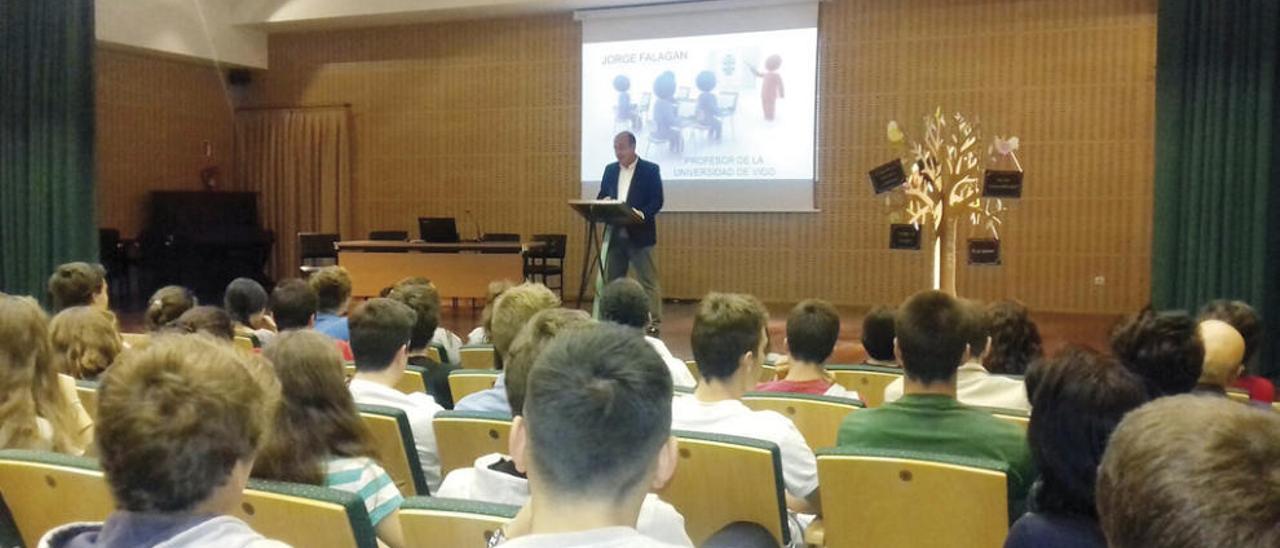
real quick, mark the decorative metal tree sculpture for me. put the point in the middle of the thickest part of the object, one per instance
(944, 185)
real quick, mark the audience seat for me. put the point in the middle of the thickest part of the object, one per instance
(87, 391)
(463, 436)
(463, 382)
(396, 447)
(413, 380)
(906, 498)
(243, 343)
(1238, 395)
(817, 417)
(693, 370)
(43, 490)
(868, 380)
(477, 356)
(768, 373)
(433, 522)
(724, 479)
(134, 340)
(435, 353)
(1017, 417)
(306, 515)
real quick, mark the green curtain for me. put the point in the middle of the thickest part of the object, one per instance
(46, 144)
(1216, 158)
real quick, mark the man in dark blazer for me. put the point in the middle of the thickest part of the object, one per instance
(639, 184)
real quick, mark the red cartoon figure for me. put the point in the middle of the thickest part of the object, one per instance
(771, 90)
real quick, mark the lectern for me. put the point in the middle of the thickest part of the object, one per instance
(595, 213)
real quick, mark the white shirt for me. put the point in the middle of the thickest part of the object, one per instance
(734, 418)
(452, 345)
(975, 386)
(625, 174)
(609, 537)
(657, 519)
(478, 336)
(421, 410)
(680, 375)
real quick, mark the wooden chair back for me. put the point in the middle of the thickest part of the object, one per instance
(693, 370)
(306, 515)
(745, 476)
(433, 522)
(135, 340)
(868, 380)
(463, 382)
(477, 356)
(462, 437)
(921, 499)
(817, 417)
(413, 380)
(1238, 395)
(87, 391)
(397, 450)
(44, 490)
(1016, 417)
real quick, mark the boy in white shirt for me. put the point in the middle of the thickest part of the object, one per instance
(494, 478)
(625, 302)
(729, 344)
(380, 332)
(595, 439)
(974, 385)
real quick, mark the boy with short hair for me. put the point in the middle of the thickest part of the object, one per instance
(332, 285)
(177, 465)
(812, 330)
(293, 306)
(625, 302)
(877, 337)
(594, 439)
(380, 333)
(78, 284)
(511, 312)
(425, 303)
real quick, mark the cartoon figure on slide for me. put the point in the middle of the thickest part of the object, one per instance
(708, 112)
(666, 118)
(626, 111)
(771, 90)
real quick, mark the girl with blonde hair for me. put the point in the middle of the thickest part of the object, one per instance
(35, 412)
(85, 341)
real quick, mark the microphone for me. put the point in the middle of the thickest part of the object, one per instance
(474, 224)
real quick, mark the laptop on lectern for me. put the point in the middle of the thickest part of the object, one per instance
(438, 230)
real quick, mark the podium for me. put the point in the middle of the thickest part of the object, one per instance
(595, 213)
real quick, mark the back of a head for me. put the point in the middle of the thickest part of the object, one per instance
(85, 340)
(244, 298)
(813, 327)
(513, 309)
(877, 333)
(1191, 471)
(293, 304)
(1223, 353)
(624, 302)
(977, 331)
(174, 419)
(598, 409)
(166, 305)
(209, 320)
(1015, 339)
(541, 329)
(424, 300)
(1080, 397)
(380, 328)
(332, 285)
(1161, 347)
(317, 417)
(1241, 316)
(75, 284)
(931, 331)
(28, 381)
(496, 289)
(725, 327)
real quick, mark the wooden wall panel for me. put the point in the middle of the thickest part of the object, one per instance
(153, 116)
(482, 116)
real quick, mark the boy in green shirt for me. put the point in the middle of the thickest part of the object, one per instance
(931, 343)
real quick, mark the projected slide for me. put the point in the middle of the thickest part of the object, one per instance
(724, 107)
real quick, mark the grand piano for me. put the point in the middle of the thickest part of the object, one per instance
(203, 240)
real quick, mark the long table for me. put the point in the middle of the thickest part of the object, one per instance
(458, 270)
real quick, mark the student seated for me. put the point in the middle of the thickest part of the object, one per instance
(1161, 347)
(246, 301)
(510, 312)
(1080, 397)
(480, 335)
(1015, 339)
(877, 337)
(931, 329)
(729, 343)
(319, 437)
(78, 284)
(1190, 471)
(448, 344)
(176, 465)
(332, 285)
(293, 306)
(974, 385)
(38, 411)
(166, 305)
(380, 334)
(1245, 320)
(425, 303)
(594, 440)
(86, 340)
(1223, 357)
(207, 320)
(812, 330)
(624, 302)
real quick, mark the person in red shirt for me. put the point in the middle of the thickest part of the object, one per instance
(812, 329)
(1242, 317)
(293, 306)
